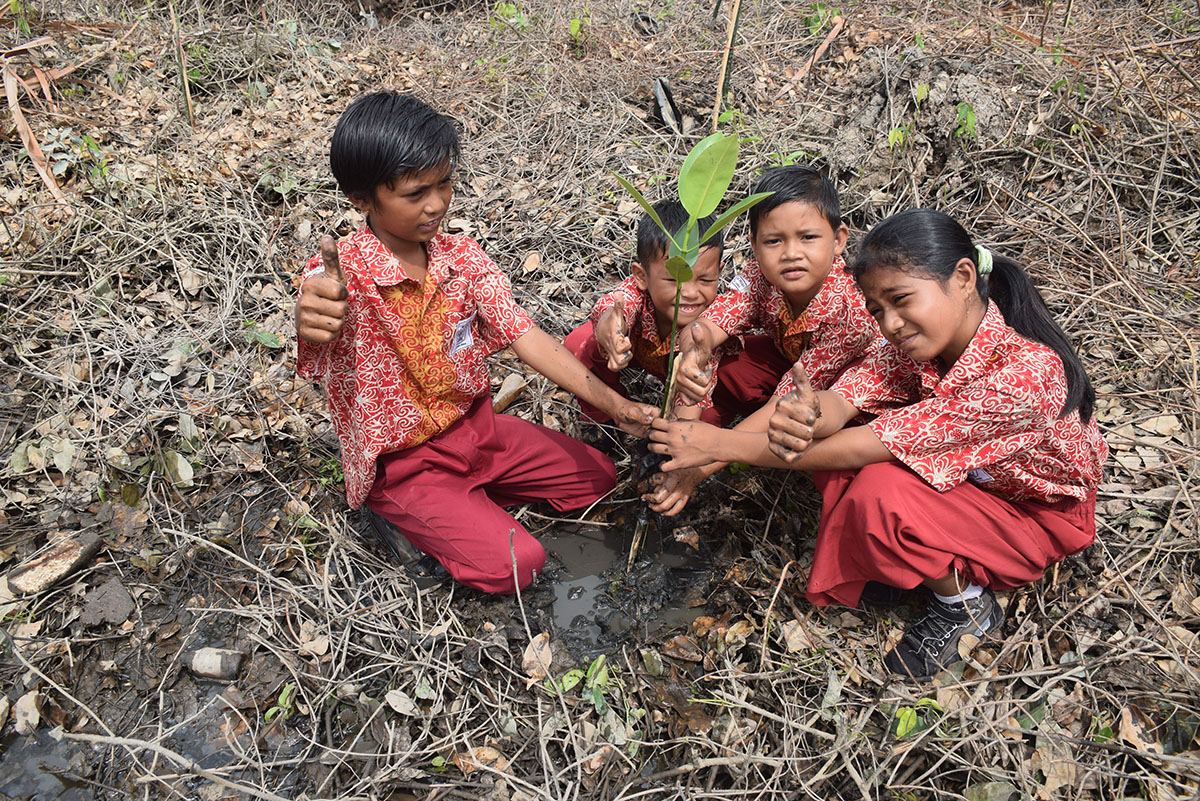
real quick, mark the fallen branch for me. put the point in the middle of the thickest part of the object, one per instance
(838, 24)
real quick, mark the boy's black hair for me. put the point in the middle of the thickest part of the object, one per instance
(386, 135)
(932, 242)
(652, 243)
(796, 183)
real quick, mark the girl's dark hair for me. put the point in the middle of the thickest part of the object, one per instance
(795, 182)
(386, 135)
(930, 242)
(653, 243)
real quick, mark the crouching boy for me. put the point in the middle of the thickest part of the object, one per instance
(631, 325)
(396, 324)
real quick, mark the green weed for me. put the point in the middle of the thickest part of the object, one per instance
(966, 121)
(283, 708)
(509, 15)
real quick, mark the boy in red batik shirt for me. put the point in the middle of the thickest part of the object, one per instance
(796, 290)
(631, 325)
(396, 323)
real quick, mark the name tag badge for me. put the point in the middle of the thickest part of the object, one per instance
(979, 476)
(462, 336)
(739, 284)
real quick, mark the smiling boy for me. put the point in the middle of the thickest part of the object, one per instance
(631, 325)
(396, 324)
(797, 291)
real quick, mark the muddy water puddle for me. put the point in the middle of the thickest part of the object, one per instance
(598, 603)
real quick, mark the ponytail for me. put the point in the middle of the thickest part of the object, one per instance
(1024, 310)
(932, 242)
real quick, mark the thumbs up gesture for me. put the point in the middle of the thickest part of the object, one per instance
(613, 337)
(694, 379)
(790, 430)
(321, 310)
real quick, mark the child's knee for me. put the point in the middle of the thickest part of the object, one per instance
(524, 561)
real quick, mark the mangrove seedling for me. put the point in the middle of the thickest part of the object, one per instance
(704, 179)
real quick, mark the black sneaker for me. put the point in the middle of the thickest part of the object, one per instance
(930, 643)
(880, 595)
(391, 538)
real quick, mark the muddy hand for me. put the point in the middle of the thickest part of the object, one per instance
(634, 418)
(689, 443)
(613, 336)
(321, 310)
(790, 430)
(694, 379)
(673, 491)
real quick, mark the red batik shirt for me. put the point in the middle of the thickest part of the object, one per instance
(410, 358)
(649, 350)
(834, 330)
(993, 419)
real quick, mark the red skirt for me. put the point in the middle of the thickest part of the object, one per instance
(885, 523)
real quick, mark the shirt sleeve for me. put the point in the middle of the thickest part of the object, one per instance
(626, 291)
(943, 438)
(501, 320)
(882, 379)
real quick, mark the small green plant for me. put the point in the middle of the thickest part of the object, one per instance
(510, 15)
(283, 707)
(70, 154)
(258, 335)
(910, 720)
(21, 12)
(966, 121)
(899, 135)
(818, 16)
(922, 92)
(579, 25)
(330, 472)
(786, 159)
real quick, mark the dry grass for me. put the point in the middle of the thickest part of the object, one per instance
(129, 310)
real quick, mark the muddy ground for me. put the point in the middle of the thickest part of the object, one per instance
(151, 242)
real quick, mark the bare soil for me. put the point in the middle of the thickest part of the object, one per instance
(151, 250)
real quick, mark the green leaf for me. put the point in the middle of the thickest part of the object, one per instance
(570, 680)
(706, 174)
(645, 204)
(906, 721)
(679, 269)
(732, 212)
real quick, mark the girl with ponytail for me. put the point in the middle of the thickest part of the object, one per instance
(980, 466)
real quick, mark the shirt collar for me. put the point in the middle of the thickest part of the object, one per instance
(385, 269)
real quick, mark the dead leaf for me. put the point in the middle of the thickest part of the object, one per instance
(537, 659)
(683, 647)
(178, 469)
(481, 757)
(400, 702)
(532, 263)
(27, 712)
(795, 637)
(1136, 731)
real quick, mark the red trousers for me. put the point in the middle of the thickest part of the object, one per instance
(884, 523)
(745, 381)
(446, 494)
